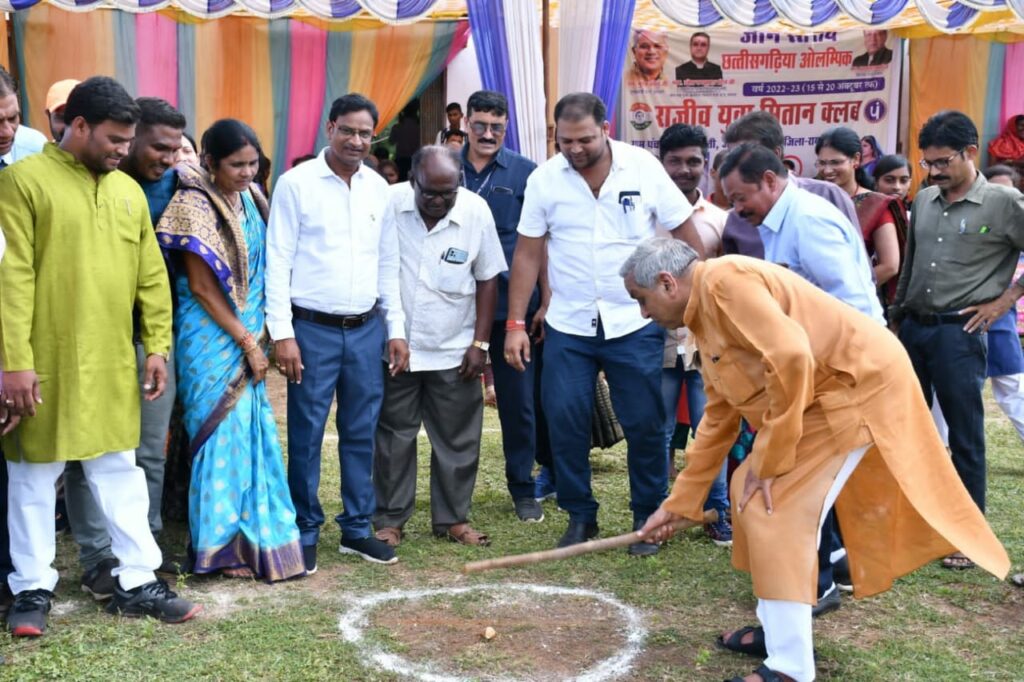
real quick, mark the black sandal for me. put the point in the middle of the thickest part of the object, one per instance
(766, 675)
(756, 647)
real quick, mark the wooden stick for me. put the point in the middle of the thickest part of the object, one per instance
(624, 540)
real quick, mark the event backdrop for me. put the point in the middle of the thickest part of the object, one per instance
(278, 75)
(809, 82)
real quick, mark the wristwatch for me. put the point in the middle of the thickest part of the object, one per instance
(482, 345)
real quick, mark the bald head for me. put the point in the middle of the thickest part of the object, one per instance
(435, 175)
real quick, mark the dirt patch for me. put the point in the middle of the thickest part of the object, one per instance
(536, 637)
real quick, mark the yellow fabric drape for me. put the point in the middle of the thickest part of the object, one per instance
(947, 72)
(380, 62)
(58, 45)
(233, 78)
(4, 61)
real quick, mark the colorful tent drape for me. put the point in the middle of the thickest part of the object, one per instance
(934, 64)
(389, 11)
(279, 75)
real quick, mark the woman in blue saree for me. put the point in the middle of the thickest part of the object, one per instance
(241, 517)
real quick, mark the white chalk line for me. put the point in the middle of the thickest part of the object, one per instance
(352, 624)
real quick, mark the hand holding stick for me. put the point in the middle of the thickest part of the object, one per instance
(624, 540)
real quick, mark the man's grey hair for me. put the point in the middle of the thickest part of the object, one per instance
(656, 255)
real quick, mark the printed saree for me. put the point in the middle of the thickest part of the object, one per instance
(240, 509)
(875, 209)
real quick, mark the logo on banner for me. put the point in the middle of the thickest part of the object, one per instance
(641, 115)
(874, 110)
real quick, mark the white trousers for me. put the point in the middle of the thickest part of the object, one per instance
(787, 624)
(119, 488)
(1009, 394)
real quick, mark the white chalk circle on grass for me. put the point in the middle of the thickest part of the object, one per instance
(354, 622)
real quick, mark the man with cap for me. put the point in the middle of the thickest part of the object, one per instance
(56, 100)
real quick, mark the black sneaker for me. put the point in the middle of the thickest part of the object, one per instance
(642, 549)
(27, 616)
(827, 604)
(154, 599)
(370, 548)
(99, 580)
(528, 510)
(309, 558)
(578, 532)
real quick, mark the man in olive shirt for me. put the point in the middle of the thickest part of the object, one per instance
(965, 238)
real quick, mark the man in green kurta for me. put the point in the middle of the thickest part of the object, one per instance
(81, 255)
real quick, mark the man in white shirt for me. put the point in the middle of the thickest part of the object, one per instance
(451, 257)
(333, 311)
(593, 204)
(16, 141)
(453, 112)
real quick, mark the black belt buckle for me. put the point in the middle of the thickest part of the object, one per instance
(331, 320)
(354, 321)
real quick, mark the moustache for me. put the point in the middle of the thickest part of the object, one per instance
(487, 140)
(938, 178)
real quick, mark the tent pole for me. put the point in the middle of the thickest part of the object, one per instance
(545, 48)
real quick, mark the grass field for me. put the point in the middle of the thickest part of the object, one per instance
(935, 625)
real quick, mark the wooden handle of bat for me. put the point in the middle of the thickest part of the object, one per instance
(624, 540)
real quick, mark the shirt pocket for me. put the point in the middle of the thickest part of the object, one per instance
(454, 279)
(731, 373)
(123, 215)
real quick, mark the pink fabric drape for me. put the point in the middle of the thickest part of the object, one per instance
(308, 56)
(1013, 83)
(156, 60)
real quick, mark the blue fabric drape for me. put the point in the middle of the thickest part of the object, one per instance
(611, 49)
(124, 51)
(339, 56)
(487, 23)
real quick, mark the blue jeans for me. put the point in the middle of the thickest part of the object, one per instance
(632, 366)
(345, 363)
(953, 363)
(524, 433)
(672, 380)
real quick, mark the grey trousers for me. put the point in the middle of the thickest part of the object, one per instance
(452, 412)
(88, 524)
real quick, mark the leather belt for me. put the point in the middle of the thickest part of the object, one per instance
(329, 320)
(933, 319)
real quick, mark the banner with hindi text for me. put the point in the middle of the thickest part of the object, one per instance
(809, 82)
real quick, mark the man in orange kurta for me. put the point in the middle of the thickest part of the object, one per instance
(840, 418)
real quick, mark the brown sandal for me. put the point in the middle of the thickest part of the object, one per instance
(464, 534)
(390, 535)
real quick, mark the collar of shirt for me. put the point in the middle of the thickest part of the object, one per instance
(324, 170)
(8, 158)
(975, 194)
(773, 221)
(407, 204)
(501, 158)
(563, 160)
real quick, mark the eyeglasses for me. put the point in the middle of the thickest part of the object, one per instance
(830, 163)
(939, 164)
(345, 131)
(429, 195)
(480, 128)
